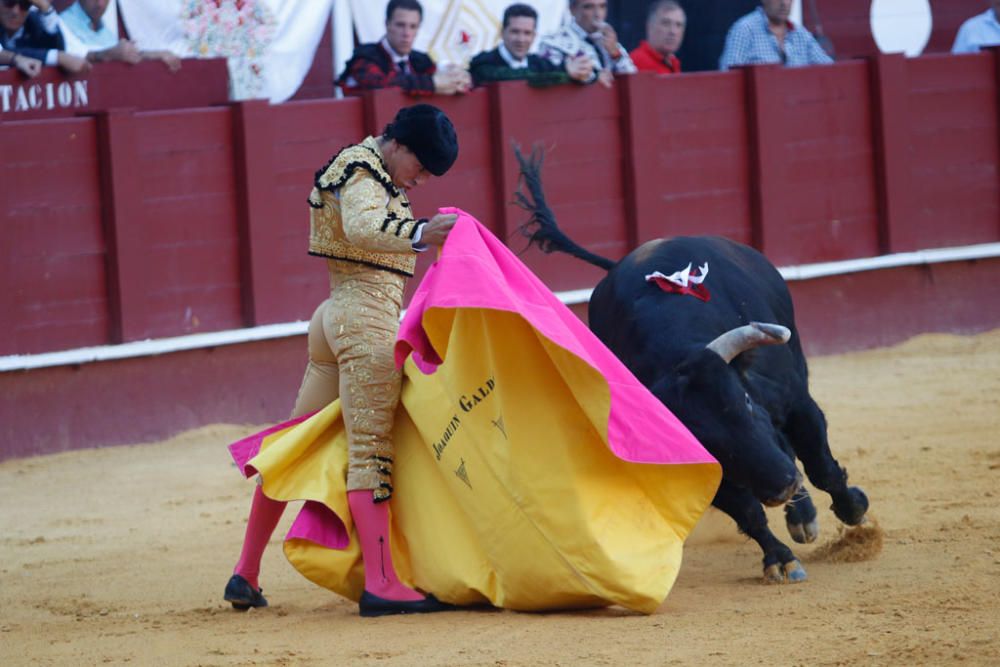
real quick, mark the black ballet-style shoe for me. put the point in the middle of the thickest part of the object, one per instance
(242, 595)
(372, 605)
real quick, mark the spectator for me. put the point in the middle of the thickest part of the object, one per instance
(664, 34)
(979, 31)
(765, 35)
(98, 43)
(393, 62)
(511, 60)
(589, 36)
(31, 28)
(29, 67)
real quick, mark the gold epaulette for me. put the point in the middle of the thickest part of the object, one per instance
(343, 165)
(326, 228)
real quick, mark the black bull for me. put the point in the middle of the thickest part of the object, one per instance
(730, 368)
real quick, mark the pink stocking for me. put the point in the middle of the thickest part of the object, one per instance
(264, 516)
(371, 520)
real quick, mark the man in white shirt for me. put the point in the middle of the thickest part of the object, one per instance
(979, 31)
(88, 35)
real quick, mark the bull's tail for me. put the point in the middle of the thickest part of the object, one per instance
(541, 229)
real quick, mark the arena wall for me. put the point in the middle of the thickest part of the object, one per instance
(126, 224)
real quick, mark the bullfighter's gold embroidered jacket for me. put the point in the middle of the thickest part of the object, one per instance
(359, 215)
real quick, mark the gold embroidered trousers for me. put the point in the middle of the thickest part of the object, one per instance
(351, 338)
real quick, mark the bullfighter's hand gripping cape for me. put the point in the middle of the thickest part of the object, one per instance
(533, 471)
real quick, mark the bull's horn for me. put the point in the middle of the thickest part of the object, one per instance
(747, 337)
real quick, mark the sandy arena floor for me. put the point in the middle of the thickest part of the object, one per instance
(120, 555)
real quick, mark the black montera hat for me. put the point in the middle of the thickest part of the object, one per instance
(428, 132)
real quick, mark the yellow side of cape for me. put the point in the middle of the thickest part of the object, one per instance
(505, 489)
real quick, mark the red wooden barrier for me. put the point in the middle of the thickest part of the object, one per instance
(126, 247)
(186, 207)
(951, 116)
(150, 224)
(887, 75)
(147, 85)
(858, 311)
(689, 147)
(811, 139)
(580, 127)
(52, 279)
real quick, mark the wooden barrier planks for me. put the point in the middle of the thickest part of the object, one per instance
(689, 153)
(952, 152)
(194, 220)
(186, 205)
(52, 279)
(584, 172)
(812, 163)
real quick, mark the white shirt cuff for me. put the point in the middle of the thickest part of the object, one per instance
(51, 57)
(416, 244)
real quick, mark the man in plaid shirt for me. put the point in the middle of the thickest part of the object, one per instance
(393, 63)
(765, 35)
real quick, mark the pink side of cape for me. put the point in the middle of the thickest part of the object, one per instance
(247, 448)
(476, 270)
(315, 522)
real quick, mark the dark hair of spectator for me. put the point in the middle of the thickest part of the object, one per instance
(662, 5)
(410, 5)
(519, 10)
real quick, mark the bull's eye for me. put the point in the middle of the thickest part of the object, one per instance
(749, 402)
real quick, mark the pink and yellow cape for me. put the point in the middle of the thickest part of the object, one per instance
(532, 472)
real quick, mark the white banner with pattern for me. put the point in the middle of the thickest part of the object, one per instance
(270, 44)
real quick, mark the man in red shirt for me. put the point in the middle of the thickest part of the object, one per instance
(664, 34)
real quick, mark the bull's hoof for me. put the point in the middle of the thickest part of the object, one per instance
(773, 574)
(791, 572)
(795, 572)
(800, 518)
(804, 533)
(851, 509)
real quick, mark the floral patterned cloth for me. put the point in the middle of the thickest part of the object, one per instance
(270, 44)
(238, 30)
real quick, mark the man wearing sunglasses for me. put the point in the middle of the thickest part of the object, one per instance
(30, 28)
